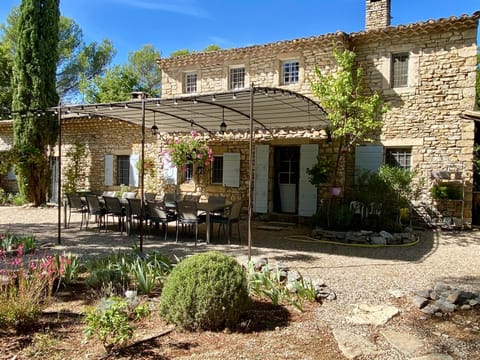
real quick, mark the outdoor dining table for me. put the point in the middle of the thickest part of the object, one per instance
(210, 208)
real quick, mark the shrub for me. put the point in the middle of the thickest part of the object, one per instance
(110, 321)
(446, 191)
(205, 291)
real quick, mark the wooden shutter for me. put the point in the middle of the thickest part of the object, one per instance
(260, 193)
(169, 171)
(108, 170)
(368, 157)
(307, 193)
(231, 169)
(133, 175)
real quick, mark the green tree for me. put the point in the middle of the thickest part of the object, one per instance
(182, 52)
(353, 113)
(34, 88)
(77, 60)
(140, 74)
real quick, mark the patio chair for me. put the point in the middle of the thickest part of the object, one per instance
(75, 204)
(187, 215)
(114, 208)
(217, 200)
(195, 198)
(226, 221)
(160, 215)
(149, 196)
(136, 212)
(95, 208)
(170, 201)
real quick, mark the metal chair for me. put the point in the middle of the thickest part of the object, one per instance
(160, 215)
(75, 204)
(114, 208)
(217, 200)
(149, 196)
(95, 208)
(226, 221)
(187, 214)
(135, 212)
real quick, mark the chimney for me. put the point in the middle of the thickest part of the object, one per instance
(377, 15)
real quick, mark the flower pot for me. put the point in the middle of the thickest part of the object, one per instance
(335, 190)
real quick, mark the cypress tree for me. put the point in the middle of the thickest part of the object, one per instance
(34, 131)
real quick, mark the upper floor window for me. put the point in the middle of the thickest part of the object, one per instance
(123, 170)
(237, 78)
(399, 157)
(290, 69)
(190, 82)
(399, 76)
(217, 170)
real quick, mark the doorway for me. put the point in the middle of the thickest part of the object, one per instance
(286, 176)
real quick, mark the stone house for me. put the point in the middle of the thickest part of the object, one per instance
(426, 71)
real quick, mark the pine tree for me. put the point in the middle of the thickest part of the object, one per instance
(35, 132)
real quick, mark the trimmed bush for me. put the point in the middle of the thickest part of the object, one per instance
(206, 291)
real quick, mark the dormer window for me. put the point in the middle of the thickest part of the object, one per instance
(190, 82)
(290, 72)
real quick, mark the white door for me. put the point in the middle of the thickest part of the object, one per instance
(307, 193)
(260, 190)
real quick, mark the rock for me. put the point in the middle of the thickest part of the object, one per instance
(433, 356)
(419, 301)
(260, 263)
(423, 293)
(332, 296)
(283, 267)
(386, 235)
(441, 287)
(404, 342)
(397, 293)
(430, 309)
(354, 346)
(445, 306)
(379, 240)
(365, 314)
(454, 296)
(293, 276)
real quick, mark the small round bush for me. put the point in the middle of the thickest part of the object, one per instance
(206, 291)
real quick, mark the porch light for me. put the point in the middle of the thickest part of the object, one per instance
(223, 126)
(154, 128)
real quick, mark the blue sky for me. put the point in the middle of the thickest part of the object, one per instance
(194, 24)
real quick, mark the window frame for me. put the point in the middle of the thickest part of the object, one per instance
(233, 83)
(123, 169)
(402, 157)
(189, 86)
(215, 167)
(290, 76)
(187, 173)
(399, 75)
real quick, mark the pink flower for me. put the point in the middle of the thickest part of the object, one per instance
(200, 155)
(193, 133)
(16, 262)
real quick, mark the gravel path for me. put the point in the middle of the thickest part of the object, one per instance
(357, 275)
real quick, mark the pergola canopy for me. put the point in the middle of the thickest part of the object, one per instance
(270, 108)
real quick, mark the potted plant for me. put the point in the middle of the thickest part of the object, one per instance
(189, 150)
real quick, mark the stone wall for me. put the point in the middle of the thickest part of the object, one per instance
(377, 14)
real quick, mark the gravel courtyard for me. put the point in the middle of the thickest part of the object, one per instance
(358, 275)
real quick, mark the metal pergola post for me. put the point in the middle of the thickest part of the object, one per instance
(59, 186)
(250, 177)
(142, 173)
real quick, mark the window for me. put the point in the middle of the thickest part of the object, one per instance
(290, 72)
(123, 170)
(187, 173)
(237, 78)
(217, 170)
(190, 82)
(399, 76)
(399, 157)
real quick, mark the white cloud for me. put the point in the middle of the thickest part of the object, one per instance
(185, 7)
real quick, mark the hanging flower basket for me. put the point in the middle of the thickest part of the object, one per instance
(189, 150)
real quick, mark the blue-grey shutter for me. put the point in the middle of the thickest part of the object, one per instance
(260, 194)
(231, 169)
(108, 170)
(133, 170)
(368, 157)
(307, 193)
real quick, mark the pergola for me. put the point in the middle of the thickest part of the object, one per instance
(250, 110)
